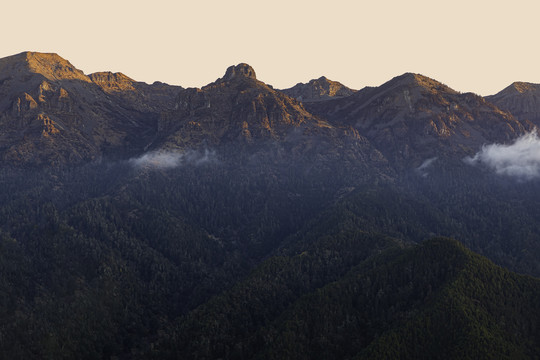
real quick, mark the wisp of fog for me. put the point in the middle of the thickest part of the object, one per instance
(520, 159)
(171, 159)
(422, 169)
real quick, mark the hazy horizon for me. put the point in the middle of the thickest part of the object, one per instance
(479, 47)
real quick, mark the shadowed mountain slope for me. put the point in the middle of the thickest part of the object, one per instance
(53, 114)
(412, 117)
(249, 120)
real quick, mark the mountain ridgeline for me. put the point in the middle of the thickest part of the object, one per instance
(238, 221)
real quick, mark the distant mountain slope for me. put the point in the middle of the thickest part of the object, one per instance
(155, 98)
(53, 114)
(50, 66)
(318, 90)
(235, 107)
(414, 117)
(250, 121)
(522, 99)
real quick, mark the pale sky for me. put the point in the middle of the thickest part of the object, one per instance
(470, 45)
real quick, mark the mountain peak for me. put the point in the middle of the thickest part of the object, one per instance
(50, 65)
(517, 88)
(522, 99)
(419, 80)
(525, 87)
(111, 75)
(240, 70)
(110, 81)
(318, 90)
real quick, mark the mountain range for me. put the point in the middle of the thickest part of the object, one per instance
(53, 114)
(240, 221)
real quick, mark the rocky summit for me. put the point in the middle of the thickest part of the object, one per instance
(236, 106)
(318, 90)
(243, 116)
(521, 99)
(240, 70)
(51, 113)
(51, 66)
(413, 116)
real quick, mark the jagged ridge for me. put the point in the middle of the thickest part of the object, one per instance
(413, 117)
(318, 89)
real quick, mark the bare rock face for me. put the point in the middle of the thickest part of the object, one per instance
(113, 82)
(318, 90)
(231, 107)
(51, 66)
(521, 99)
(37, 118)
(155, 98)
(413, 117)
(240, 70)
(244, 116)
(53, 114)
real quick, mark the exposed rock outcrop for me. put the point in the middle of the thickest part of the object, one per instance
(413, 117)
(239, 112)
(318, 90)
(522, 99)
(83, 117)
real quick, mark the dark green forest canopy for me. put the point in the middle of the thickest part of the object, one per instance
(207, 262)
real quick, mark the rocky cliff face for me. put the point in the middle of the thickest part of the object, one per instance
(413, 117)
(235, 107)
(521, 99)
(53, 114)
(51, 66)
(247, 119)
(318, 90)
(155, 98)
(37, 111)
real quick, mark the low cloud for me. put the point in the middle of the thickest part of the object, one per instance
(422, 169)
(172, 159)
(520, 159)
